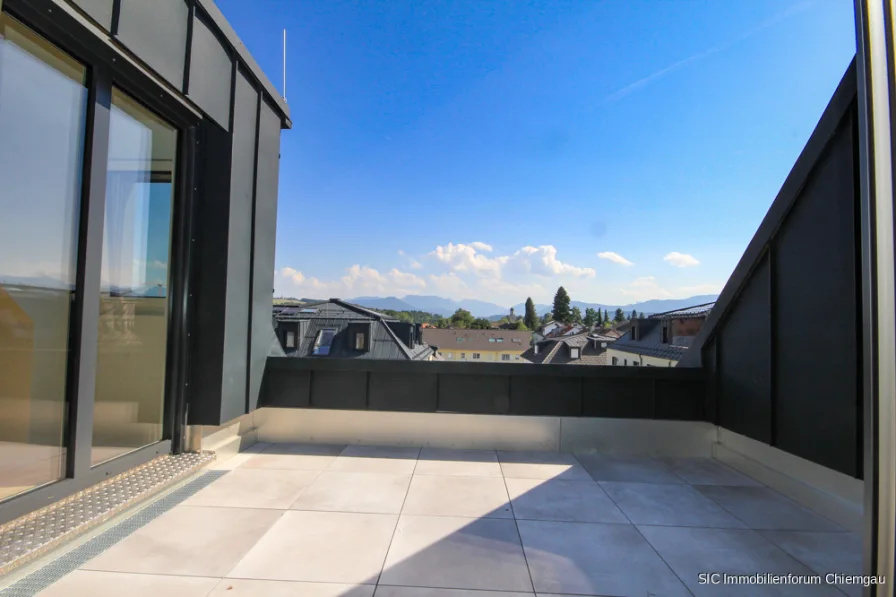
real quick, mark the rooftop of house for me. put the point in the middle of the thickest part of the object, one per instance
(650, 334)
(650, 343)
(695, 311)
(558, 351)
(477, 339)
(387, 337)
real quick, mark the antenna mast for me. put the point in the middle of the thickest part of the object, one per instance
(284, 65)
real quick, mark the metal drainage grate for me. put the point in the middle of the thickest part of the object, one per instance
(33, 535)
(40, 579)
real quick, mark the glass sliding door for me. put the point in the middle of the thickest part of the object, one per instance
(43, 101)
(129, 402)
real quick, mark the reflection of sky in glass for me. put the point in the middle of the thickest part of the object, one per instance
(138, 211)
(42, 120)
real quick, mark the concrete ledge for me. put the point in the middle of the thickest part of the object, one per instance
(647, 437)
(833, 495)
(491, 432)
(226, 440)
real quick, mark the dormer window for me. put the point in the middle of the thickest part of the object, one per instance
(290, 339)
(665, 333)
(323, 342)
(634, 331)
(574, 352)
(360, 341)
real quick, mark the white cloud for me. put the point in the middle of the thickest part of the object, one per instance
(680, 259)
(357, 281)
(465, 258)
(449, 285)
(614, 257)
(543, 261)
(482, 247)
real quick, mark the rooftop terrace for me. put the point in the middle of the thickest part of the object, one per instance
(359, 521)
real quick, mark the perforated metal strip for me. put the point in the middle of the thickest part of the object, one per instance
(35, 534)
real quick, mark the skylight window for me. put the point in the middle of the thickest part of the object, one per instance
(323, 342)
(499, 340)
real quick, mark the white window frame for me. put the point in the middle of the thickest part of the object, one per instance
(290, 339)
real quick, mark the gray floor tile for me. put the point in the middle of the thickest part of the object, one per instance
(238, 587)
(190, 541)
(376, 459)
(707, 471)
(636, 469)
(306, 457)
(765, 509)
(468, 497)
(87, 583)
(823, 553)
(254, 488)
(457, 553)
(542, 465)
(334, 547)
(464, 463)
(376, 493)
(595, 559)
(692, 551)
(667, 504)
(382, 591)
(571, 501)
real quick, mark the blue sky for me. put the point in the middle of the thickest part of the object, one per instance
(498, 149)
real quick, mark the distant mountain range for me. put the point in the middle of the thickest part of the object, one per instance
(446, 307)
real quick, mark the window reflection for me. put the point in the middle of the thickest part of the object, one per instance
(42, 111)
(130, 383)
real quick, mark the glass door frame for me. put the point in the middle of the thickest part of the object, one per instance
(107, 67)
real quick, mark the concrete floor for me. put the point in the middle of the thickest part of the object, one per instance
(335, 521)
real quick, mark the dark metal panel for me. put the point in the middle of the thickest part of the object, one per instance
(265, 236)
(840, 104)
(156, 32)
(179, 331)
(745, 363)
(98, 10)
(817, 377)
(408, 392)
(211, 194)
(271, 92)
(210, 74)
(235, 293)
(679, 400)
(339, 390)
(479, 394)
(627, 398)
(547, 396)
(84, 333)
(288, 389)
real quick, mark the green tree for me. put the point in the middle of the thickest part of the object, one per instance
(634, 314)
(591, 316)
(462, 319)
(547, 317)
(561, 309)
(520, 326)
(531, 318)
(576, 315)
(481, 323)
(620, 316)
(599, 319)
(606, 318)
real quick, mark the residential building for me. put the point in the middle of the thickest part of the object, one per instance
(660, 340)
(339, 330)
(578, 349)
(484, 346)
